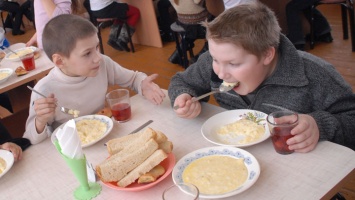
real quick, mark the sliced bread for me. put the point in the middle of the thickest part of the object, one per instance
(153, 160)
(118, 144)
(166, 146)
(118, 165)
(152, 175)
(160, 137)
(138, 139)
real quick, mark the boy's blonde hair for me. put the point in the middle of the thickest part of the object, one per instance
(62, 32)
(252, 26)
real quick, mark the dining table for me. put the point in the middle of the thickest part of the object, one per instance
(43, 66)
(43, 174)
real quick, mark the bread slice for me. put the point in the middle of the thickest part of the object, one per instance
(153, 160)
(166, 146)
(160, 137)
(118, 144)
(106, 112)
(139, 139)
(118, 165)
(152, 175)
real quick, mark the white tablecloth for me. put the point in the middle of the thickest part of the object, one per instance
(43, 174)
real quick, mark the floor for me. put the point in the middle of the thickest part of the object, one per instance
(155, 60)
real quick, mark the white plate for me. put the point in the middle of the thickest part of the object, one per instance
(210, 127)
(102, 118)
(249, 160)
(6, 70)
(9, 159)
(7, 57)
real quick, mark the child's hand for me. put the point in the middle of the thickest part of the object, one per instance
(306, 134)
(152, 91)
(32, 41)
(187, 108)
(14, 148)
(45, 109)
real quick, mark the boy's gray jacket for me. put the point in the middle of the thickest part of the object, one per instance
(301, 82)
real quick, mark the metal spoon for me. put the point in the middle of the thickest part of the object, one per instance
(12, 51)
(222, 88)
(63, 109)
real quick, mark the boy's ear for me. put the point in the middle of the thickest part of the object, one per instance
(269, 55)
(58, 60)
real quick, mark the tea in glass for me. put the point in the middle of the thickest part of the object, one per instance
(121, 111)
(28, 61)
(119, 103)
(280, 124)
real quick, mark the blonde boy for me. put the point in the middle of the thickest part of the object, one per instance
(80, 77)
(247, 48)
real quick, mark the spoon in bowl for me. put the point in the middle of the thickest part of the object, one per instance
(14, 52)
(222, 88)
(63, 109)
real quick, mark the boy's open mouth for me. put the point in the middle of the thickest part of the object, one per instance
(231, 84)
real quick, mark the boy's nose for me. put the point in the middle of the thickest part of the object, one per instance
(222, 74)
(98, 56)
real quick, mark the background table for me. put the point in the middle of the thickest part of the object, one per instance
(18, 93)
(43, 66)
(43, 174)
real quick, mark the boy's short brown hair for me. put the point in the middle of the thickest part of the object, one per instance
(62, 32)
(252, 26)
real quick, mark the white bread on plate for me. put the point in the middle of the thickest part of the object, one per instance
(118, 165)
(118, 144)
(152, 175)
(166, 146)
(160, 136)
(158, 156)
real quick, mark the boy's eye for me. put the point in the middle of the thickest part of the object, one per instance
(234, 64)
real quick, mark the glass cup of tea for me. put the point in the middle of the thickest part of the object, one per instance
(280, 124)
(28, 61)
(119, 103)
(181, 191)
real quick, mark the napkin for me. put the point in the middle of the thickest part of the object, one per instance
(69, 141)
(69, 145)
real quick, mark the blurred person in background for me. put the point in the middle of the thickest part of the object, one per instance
(231, 3)
(190, 14)
(166, 17)
(322, 29)
(46, 10)
(15, 14)
(121, 11)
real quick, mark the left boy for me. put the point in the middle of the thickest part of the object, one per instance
(80, 77)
